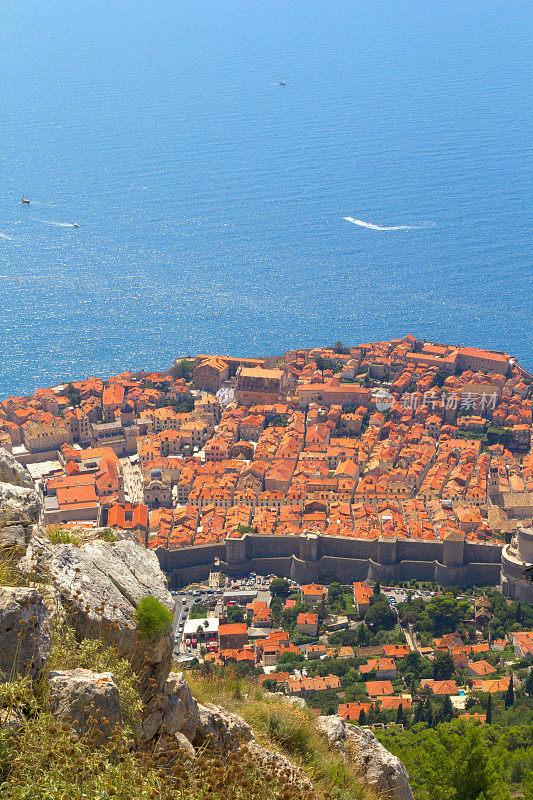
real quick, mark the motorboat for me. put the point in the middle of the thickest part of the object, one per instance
(25, 201)
(282, 83)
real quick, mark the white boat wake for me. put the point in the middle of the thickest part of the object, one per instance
(5, 236)
(389, 228)
(59, 224)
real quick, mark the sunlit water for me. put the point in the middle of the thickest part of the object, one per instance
(216, 208)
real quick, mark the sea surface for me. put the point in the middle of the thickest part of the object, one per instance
(212, 201)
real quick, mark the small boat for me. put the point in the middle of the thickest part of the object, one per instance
(75, 225)
(25, 201)
(282, 83)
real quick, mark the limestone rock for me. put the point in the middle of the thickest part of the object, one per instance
(181, 714)
(169, 742)
(11, 471)
(13, 539)
(276, 765)
(333, 728)
(18, 505)
(151, 724)
(221, 730)
(24, 632)
(88, 700)
(100, 584)
(380, 770)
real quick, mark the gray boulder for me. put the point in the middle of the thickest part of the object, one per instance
(181, 712)
(220, 730)
(100, 584)
(18, 505)
(277, 766)
(175, 745)
(24, 632)
(379, 769)
(11, 471)
(88, 701)
(13, 540)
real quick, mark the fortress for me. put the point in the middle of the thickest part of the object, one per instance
(307, 558)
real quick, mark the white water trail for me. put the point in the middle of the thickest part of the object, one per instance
(5, 236)
(388, 228)
(58, 224)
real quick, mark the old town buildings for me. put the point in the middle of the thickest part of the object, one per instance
(401, 438)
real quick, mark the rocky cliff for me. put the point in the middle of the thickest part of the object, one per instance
(90, 590)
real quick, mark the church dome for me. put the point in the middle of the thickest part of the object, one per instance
(126, 409)
(156, 473)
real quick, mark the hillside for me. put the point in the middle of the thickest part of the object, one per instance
(91, 708)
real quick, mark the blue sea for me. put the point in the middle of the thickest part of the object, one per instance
(211, 200)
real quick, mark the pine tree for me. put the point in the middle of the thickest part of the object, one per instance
(489, 711)
(509, 694)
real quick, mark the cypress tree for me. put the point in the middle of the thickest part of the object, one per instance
(489, 710)
(509, 694)
(362, 717)
(418, 712)
(399, 715)
(447, 709)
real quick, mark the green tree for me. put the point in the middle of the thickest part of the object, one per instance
(509, 694)
(183, 369)
(399, 715)
(443, 666)
(340, 348)
(279, 587)
(447, 709)
(488, 712)
(380, 616)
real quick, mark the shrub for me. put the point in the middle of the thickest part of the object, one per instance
(108, 535)
(59, 535)
(153, 618)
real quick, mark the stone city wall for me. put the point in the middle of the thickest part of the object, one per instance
(310, 558)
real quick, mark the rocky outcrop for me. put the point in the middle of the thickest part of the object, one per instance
(221, 730)
(379, 768)
(18, 505)
(14, 540)
(100, 584)
(88, 701)
(24, 632)
(13, 472)
(276, 765)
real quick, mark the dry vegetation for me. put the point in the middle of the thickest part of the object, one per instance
(285, 728)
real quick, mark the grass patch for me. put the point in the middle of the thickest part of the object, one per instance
(286, 728)
(59, 535)
(108, 535)
(10, 575)
(153, 618)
